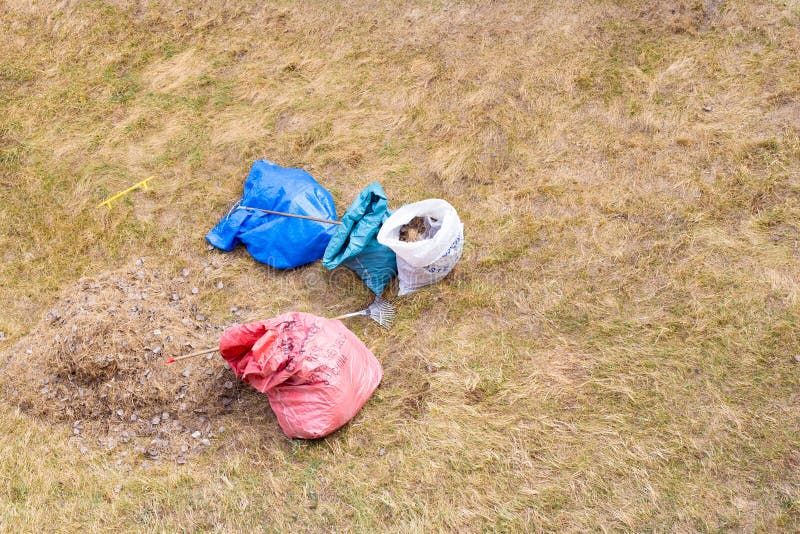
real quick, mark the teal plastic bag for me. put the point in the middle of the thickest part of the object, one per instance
(355, 244)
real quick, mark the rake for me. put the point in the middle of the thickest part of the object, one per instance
(381, 311)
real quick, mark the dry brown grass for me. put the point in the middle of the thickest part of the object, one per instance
(616, 350)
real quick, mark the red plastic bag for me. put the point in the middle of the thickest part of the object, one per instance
(316, 373)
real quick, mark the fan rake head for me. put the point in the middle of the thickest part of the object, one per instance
(382, 312)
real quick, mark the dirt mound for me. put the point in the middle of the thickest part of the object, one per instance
(97, 361)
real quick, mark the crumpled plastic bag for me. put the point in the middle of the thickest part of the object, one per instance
(282, 242)
(315, 372)
(354, 243)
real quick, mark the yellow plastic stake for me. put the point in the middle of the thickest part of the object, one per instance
(141, 185)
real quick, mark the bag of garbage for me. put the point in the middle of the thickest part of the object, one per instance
(279, 241)
(428, 238)
(354, 244)
(316, 373)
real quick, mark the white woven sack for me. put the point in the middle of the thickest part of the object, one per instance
(427, 261)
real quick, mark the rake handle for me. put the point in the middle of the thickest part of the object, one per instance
(192, 355)
(295, 215)
(354, 314)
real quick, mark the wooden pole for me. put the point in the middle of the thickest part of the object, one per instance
(192, 355)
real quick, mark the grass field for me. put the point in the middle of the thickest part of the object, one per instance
(617, 350)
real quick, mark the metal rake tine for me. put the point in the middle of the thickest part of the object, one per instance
(385, 322)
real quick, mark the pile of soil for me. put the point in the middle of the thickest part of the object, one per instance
(96, 361)
(414, 230)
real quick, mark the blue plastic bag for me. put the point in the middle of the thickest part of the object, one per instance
(354, 244)
(282, 242)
